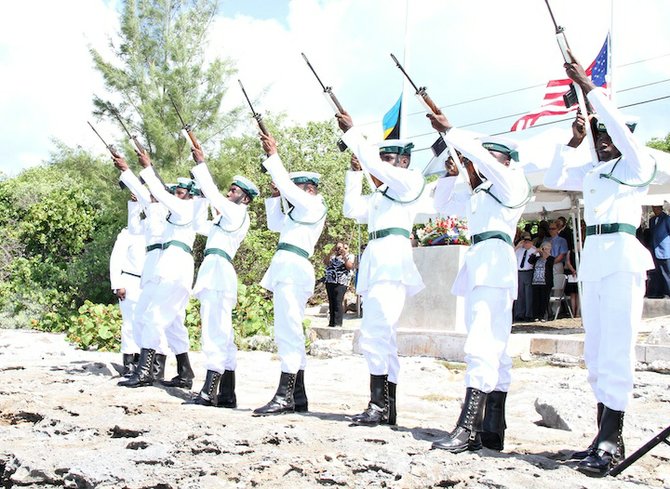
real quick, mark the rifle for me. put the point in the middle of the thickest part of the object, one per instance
(185, 128)
(111, 148)
(427, 102)
(133, 139)
(574, 88)
(256, 115)
(337, 107)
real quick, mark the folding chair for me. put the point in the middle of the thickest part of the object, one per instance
(558, 296)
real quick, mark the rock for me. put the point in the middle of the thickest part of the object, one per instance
(552, 414)
(659, 335)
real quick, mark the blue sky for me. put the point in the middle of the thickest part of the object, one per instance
(482, 60)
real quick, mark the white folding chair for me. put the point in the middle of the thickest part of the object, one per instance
(558, 296)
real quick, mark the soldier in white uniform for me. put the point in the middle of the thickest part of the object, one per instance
(176, 336)
(387, 274)
(290, 276)
(125, 272)
(169, 289)
(492, 203)
(613, 262)
(216, 285)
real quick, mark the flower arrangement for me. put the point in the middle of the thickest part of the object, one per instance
(444, 231)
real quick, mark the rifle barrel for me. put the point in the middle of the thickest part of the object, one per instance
(177, 111)
(247, 97)
(314, 71)
(397, 63)
(98, 134)
(553, 19)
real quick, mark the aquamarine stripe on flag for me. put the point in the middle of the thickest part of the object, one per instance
(391, 121)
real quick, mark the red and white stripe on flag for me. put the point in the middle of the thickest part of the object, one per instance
(553, 103)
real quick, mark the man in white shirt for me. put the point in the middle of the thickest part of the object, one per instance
(492, 202)
(523, 306)
(216, 285)
(168, 290)
(387, 274)
(290, 276)
(125, 272)
(613, 263)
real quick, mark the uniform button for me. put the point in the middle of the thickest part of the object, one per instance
(593, 191)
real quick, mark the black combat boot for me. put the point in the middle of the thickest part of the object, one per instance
(144, 374)
(609, 446)
(493, 432)
(283, 401)
(300, 396)
(208, 394)
(392, 410)
(129, 364)
(581, 455)
(470, 423)
(159, 366)
(227, 397)
(377, 411)
(185, 375)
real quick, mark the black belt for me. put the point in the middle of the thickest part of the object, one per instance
(162, 246)
(491, 235)
(382, 233)
(617, 227)
(293, 249)
(529, 270)
(131, 274)
(218, 251)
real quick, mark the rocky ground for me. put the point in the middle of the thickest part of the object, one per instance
(65, 422)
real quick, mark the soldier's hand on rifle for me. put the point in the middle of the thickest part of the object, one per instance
(274, 191)
(269, 144)
(198, 155)
(578, 130)
(355, 164)
(144, 160)
(120, 162)
(576, 73)
(120, 294)
(450, 165)
(439, 122)
(344, 120)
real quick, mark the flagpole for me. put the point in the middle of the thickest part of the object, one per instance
(405, 60)
(610, 65)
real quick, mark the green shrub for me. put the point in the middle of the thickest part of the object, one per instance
(98, 326)
(253, 314)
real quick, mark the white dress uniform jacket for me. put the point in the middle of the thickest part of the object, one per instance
(388, 258)
(605, 200)
(226, 233)
(491, 262)
(299, 227)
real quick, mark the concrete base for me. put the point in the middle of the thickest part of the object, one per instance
(435, 307)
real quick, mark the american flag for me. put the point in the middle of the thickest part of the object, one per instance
(553, 103)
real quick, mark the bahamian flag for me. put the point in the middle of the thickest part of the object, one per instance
(391, 121)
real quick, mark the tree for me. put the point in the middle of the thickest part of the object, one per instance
(161, 55)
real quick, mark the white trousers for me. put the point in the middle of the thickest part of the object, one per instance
(161, 317)
(611, 310)
(289, 308)
(382, 305)
(488, 320)
(218, 339)
(127, 306)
